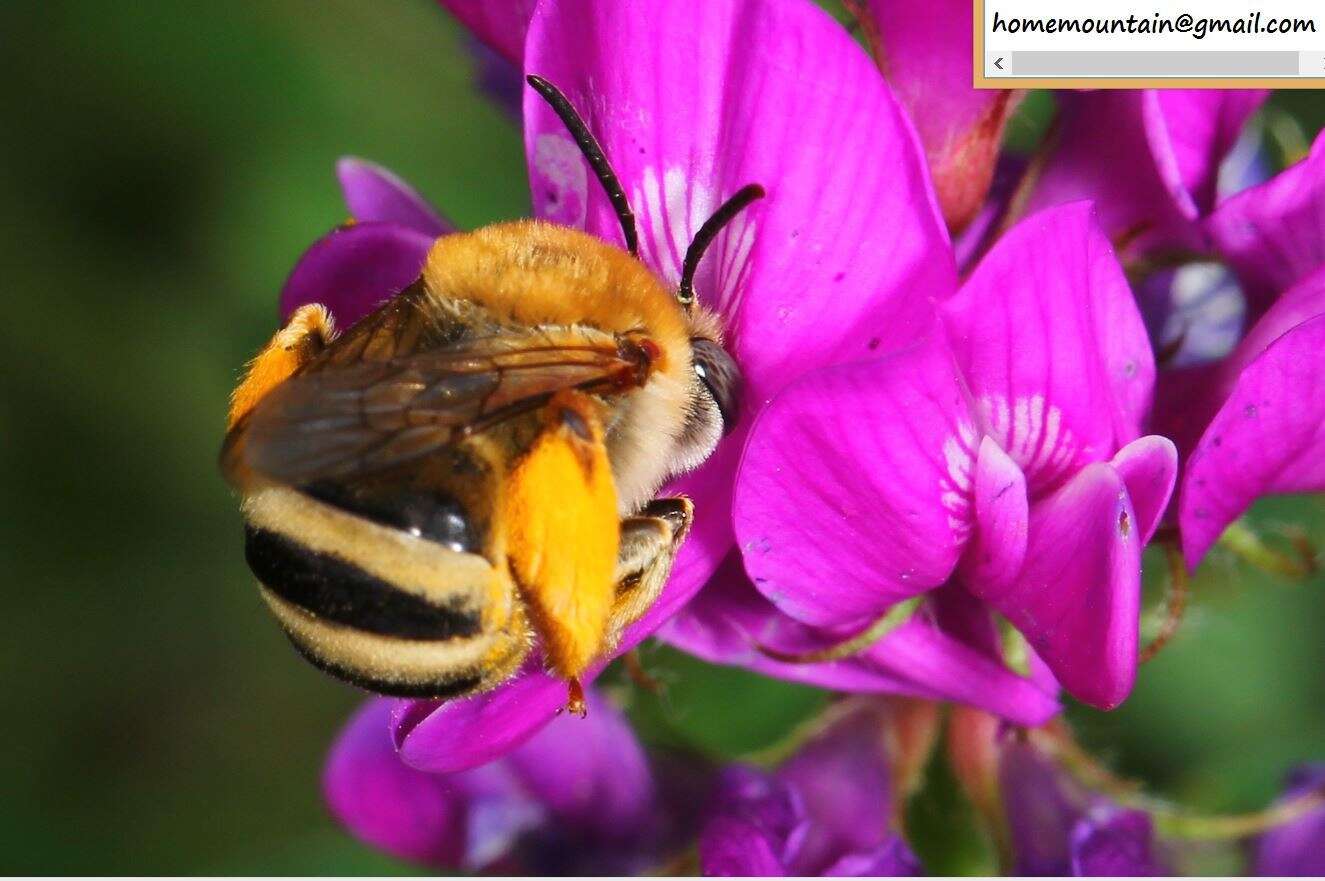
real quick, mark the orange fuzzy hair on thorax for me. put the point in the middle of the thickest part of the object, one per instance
(530, 273)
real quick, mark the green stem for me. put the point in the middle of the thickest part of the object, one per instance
(1193, 827)
(895, 617)
(1171, 821)
(1175, 604)
(1246, 544)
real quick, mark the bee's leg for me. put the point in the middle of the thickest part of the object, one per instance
(649, 543)
(308, 332)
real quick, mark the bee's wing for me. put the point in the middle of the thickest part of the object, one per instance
(347, 420)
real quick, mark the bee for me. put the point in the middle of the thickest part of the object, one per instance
(469, 471)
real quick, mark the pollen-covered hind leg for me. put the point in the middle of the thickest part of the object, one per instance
(649, 543)
(308, 332)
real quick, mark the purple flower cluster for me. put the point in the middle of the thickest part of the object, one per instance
(1052, 822)
(976, 426)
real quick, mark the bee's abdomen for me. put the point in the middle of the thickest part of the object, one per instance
(386, 608)
(434, 516)
(337, 590)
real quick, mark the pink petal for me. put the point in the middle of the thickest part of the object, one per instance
(375, 195)
(733, 847)
(1113, 842)
(1268, 437)
(1274, 234)
(852, 493)
(385, 802)
(729, 619)
(1002, 512)
(842, 256)
(591, 773)
(1190, 132)
(1149, 468)
(454, 735)
(1184, 135)
(353, 269)
(1187, 400)
(924, 49)
(1051, 342)
(1305, 299)
(499, 23)
(1098, 133)
(1077, 598)
(954, 671)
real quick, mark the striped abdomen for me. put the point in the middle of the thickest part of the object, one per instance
(387, 592)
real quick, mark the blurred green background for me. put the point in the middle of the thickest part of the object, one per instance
(164, 164)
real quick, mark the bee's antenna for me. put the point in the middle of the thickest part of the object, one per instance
(685, 292)
(589, 146)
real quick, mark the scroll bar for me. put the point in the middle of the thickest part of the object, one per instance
(1152, 64)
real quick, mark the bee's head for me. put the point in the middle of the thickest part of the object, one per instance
(715, 402)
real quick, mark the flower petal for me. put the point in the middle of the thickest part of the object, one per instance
(1190, 132)
(1184, 135)
(453, 735)
(925, 52)
(842, 777)
(892, 859)
(838, 256)
(1297, 847)
(1077, 598)
(1110, 842)
(1268, 437)
(729, 619)
(354, 269)
(1041, 807)
(1098, 133)
(1002, 514)
(498, 78)
(1304, 300)
(852, 493)
(591, 773)
(1274, 234)
(375, 195)
(385, 802)
(756, 821)
(500, 24)
(951, 670)
(1186, 400)
(1149, 469)
(1049, 337)
(732, 847)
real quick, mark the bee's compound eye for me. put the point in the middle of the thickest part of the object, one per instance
(721, 378)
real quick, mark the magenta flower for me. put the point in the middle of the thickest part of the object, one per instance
(827, 811)
(577, 798)
(839, 256)
(1179, 149)
(1297, 847)
(1172, 143)
(1007, 469)
(1241, 404)
(1253, 421)
(1057, 827)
